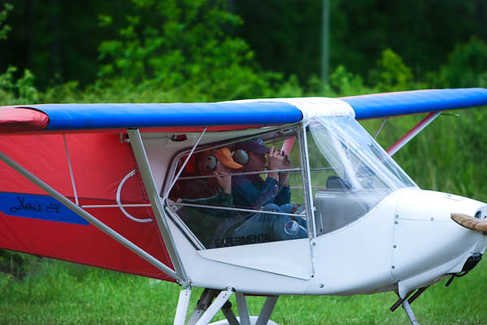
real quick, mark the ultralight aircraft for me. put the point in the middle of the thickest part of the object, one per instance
(173, 191)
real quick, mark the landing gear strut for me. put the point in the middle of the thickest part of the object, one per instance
(405, 303)
(212, 301)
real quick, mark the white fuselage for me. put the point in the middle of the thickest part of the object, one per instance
(407, 241)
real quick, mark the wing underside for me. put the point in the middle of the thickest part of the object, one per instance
(95, 171)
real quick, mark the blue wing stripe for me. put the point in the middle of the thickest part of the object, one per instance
(418, 101)
(106, 116)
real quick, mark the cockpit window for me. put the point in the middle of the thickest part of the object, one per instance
(243, 192)
(350, 172)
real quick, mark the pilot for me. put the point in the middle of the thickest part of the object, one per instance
(251, 191)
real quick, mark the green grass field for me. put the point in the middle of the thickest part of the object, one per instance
(62, 293)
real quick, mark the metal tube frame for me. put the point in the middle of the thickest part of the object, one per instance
(215, 306)
(90, 218)
(243, 310)
(266, 311)
(182, 308)
(409, 312)
(413, 132)
(308, 191)
(152, 192)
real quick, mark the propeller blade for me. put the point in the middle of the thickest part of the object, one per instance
(470, 222)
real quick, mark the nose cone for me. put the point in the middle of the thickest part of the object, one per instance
(475, 223)
(427, 240)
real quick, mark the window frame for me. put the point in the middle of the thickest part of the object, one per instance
(170, 207)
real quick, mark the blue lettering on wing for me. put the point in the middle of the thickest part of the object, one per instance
(35, 206)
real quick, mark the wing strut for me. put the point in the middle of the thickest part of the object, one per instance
(156, 202)
(413, 132)
(89, 217)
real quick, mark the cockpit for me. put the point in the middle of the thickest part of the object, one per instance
(295, 182)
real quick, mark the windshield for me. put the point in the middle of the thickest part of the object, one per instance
(350, 172)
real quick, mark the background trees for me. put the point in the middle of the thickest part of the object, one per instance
(63, 41)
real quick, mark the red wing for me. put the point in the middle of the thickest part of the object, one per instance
(89, 169)
(22, 119)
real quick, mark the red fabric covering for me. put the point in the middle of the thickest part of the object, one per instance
(99, 162)
(21, 119)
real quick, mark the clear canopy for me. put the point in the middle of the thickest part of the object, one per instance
(253, 190)
(350, 172)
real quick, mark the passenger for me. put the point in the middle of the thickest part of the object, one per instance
(192, 187)
(206, 222)
(250, 191)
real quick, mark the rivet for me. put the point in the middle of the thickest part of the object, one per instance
(393, 267)
(432, 219)
(396, 222)
(395, 246)
(322, 285)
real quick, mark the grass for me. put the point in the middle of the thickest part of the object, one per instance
(62, 293)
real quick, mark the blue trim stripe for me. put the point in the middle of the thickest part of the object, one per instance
(418, 101)
(107, 116)
(35, 206)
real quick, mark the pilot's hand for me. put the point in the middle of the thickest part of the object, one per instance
(224, 178)
(278, 160)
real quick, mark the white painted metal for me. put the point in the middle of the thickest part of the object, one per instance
(182, 308)
(390, 247)
(409, 312)
(215, 306)
(290, 258)
(195, 316)
(207, 273)
(306, 175)
(355, 259)
(178, 204)
(118, 199)
(153, 194)
(181, 169)
(70, 168)
(439, 246)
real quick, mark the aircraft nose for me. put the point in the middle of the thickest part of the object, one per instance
(426, 238)
(478, 222)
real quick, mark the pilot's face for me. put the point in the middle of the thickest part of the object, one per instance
(256, 162)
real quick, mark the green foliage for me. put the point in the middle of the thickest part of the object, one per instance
(346, 83)
(466, 66)
(4, 28)
(15, 90)
(391, 73)
(175, 44)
